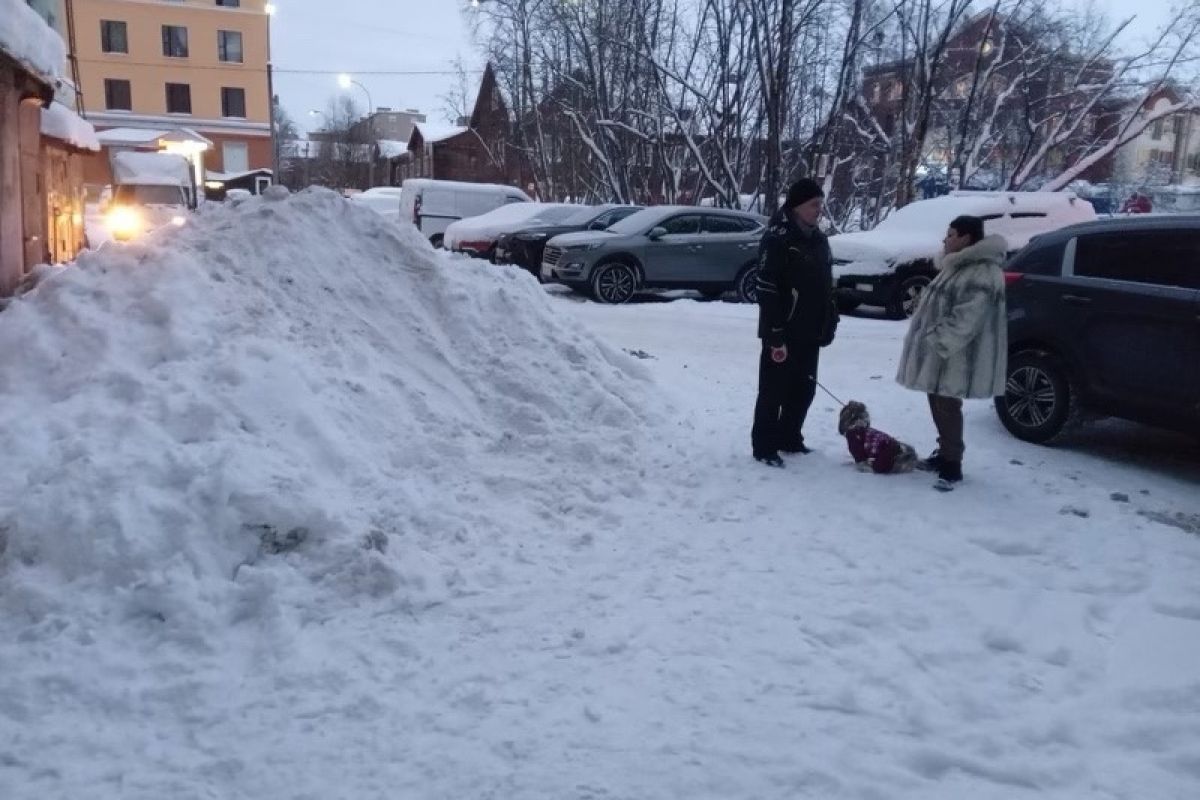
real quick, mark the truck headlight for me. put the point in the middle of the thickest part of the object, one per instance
(124, 222)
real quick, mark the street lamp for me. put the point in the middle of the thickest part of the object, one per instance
(345, 81)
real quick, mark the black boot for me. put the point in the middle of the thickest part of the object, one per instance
(931, 464)
(949, 476)
(770, 459)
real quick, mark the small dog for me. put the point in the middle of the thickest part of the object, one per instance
(873, 451)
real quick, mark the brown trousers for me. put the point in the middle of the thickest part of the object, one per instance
(948, 418)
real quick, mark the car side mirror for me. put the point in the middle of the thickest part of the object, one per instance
(657, 233)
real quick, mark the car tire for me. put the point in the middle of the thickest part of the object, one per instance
(1039, 402)
(746, 284)
(614, 283)
(436, 241)
(907, 296)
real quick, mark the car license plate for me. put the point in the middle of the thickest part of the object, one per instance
(864, 287)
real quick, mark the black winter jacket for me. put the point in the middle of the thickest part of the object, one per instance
(795, 284)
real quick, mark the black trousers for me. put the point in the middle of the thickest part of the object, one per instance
(785, 392)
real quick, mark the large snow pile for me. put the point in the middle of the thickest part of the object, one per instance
(26, 37)
(287, 395)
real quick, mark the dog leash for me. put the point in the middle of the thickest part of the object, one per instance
(826, 391)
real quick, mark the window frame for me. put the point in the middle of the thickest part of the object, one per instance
(188, 88)
(686, 215)
(169, 41)
(237, 91)
(106, 38)
(109, 84)
(223, 48)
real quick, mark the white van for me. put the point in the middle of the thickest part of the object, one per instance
(432, 205)
(891, 264)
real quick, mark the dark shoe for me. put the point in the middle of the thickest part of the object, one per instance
(931, 464)
(949, 476)
(795, 446)
(770, 459)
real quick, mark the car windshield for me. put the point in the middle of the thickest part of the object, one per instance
(582, 216)
(148, 195)
(638, 222)
(559, 215)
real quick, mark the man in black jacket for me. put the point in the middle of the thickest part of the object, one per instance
(797, 316)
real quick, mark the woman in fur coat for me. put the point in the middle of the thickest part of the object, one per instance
(957, 343)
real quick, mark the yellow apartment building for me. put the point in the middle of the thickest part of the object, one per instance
(188, 75)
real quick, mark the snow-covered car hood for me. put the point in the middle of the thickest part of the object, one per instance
(488, 227)
(580, 237)
(876, 252)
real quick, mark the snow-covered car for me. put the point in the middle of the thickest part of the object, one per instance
(524, 247)
(434, 205)
(891, 265)
(477, 236)
(383, 200)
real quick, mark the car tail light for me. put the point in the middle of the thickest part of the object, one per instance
(1012, 277)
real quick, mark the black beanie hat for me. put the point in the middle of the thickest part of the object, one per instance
(802, 191)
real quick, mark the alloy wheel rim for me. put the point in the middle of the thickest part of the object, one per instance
(1031, 397)
(616, 285)
(749, 287)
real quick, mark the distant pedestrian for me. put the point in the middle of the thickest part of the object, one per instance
(957, 343)
(797, 317)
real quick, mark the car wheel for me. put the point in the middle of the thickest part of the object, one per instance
(1038, 400)
(907, 297)
(746, 284)
(614, 283)
(436, 240)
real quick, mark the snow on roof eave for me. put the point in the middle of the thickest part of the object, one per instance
(430, 134)
(119, 136)
(63, 124)
(28, 40)
(225, 177)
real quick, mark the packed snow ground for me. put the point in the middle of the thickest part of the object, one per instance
(301, 509)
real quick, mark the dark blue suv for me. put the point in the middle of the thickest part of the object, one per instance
(1104, 318)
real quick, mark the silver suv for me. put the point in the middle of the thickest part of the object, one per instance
(712, 250)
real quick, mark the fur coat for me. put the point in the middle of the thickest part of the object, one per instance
(957, 343)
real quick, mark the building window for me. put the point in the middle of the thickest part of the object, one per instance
(235, 157)
(114, 38)
(117, 95)
(229, 3)
(179, 98)
(174, 40)
(233, 102)
(1156, 132)
(229, 46)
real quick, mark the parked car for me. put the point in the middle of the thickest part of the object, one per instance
(433, 205)
(683, 247)
(1105, 318)
(524, 247)
(891, 264)
(476, 236)
(383, 200)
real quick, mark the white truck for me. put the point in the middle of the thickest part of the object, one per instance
(149, 190)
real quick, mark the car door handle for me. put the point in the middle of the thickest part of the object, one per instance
(1076, 299)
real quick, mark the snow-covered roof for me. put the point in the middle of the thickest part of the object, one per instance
(146, 136)
(392, 148)
(27, 39)
(223, 177)
(164, 169)
(431, 133)
(60, 122)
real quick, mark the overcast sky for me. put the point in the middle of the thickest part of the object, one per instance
(381, 36)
